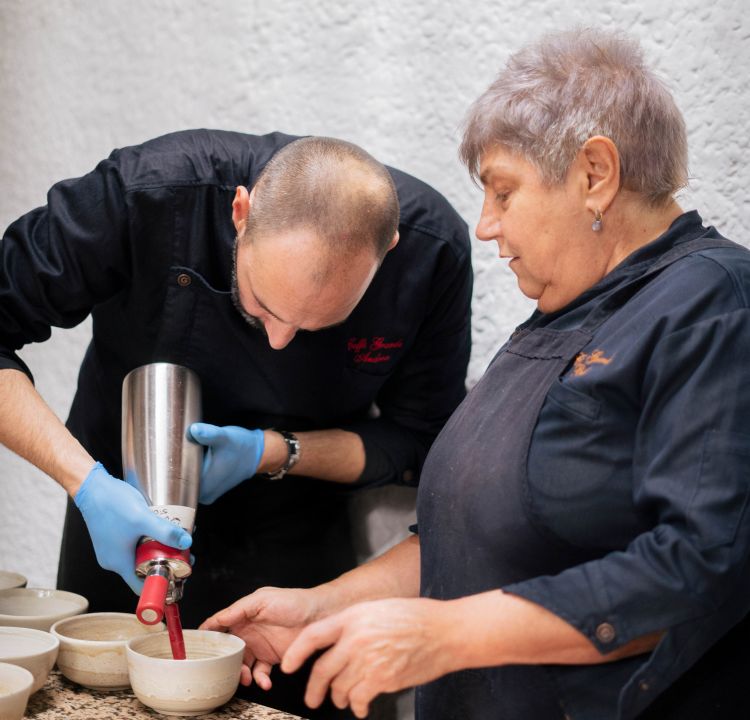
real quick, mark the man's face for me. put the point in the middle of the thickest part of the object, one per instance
(277, 286)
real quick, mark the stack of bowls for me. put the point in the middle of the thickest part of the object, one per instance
(26, 615)
(34, 650)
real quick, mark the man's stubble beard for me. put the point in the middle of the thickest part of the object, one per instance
(253, 321)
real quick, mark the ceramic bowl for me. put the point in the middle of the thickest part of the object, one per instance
(11, 580)
(37, 608)
(92, 648)
(194, 686)
(34, 650)
(15, 688)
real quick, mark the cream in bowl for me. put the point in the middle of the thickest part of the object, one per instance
(206, 679)
(37, 608)
(15, 688)
(92, 648)
(11, 580)
(34, 650)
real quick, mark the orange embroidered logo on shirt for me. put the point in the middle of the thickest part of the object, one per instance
(584, 361)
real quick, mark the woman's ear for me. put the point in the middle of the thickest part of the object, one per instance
(601, 162)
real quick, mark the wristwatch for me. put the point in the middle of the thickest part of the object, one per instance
(292, 448)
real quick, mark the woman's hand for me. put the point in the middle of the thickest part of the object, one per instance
(375, 647)
(267, 620)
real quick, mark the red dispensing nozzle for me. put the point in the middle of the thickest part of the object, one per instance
(153, 598)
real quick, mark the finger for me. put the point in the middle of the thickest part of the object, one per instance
(166, 532)
(315, 636)
(262, 675)
(360, 697)
(324, 674)
(246, 677)
(204, 433)
(346, 678)
(239, 611)
(212, 623)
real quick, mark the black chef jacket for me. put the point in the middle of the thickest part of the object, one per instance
(144, 243)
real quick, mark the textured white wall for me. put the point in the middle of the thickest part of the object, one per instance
(78, 78)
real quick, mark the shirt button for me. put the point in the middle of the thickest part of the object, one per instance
(183, 279)
(408, 476)
(605, 633)
(643, 685)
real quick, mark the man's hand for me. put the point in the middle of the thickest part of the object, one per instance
(117, 516)
(232, 455)
(374, 647)
(267, 620)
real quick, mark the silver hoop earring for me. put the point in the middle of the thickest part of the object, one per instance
(596, 226)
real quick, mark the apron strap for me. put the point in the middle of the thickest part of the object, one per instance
(620, 296)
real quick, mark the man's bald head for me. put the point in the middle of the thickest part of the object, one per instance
(329, 186)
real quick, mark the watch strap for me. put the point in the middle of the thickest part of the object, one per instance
(293, 451)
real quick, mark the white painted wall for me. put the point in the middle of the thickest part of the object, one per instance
(78, 78)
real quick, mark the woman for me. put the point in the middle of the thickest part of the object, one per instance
(582, 538)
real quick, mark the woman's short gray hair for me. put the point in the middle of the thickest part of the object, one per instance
(557, 93)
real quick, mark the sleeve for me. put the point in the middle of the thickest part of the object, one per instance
(59, 260)
(430, 383)
(691, 475)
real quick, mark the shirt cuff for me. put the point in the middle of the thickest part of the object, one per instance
(393, 453)
(11, 361)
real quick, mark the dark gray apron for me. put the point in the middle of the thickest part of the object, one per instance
(476, 535)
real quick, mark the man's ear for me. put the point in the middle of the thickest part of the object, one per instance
(241, 208)
(394, 242)
(601, 163)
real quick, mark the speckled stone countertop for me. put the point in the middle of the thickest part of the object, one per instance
(60, 699)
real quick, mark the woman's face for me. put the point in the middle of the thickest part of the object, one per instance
(544, 230)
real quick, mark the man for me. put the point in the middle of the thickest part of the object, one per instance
(276, 268)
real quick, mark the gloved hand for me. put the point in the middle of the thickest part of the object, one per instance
(117, 516)
(232, 455)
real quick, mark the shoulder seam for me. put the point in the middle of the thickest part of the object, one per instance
(737, 287)
(438, 236)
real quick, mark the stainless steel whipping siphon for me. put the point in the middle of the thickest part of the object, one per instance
(159, 403)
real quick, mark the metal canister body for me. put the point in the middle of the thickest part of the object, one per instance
(159, 403)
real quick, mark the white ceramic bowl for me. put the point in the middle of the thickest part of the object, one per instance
(10, 579)
(194, 686)
(37, 608)
(34, 650)
(92, 648)
(15, 688)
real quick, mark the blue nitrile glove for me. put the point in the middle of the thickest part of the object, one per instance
(117, 516)
(232, 455)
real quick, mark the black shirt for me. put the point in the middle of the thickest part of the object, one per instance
(144, 243)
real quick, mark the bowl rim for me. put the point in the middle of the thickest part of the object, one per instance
(33, 633)
(188, 662)
(23, 672)
(16, 575)
(81, 603)
(84, 642)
